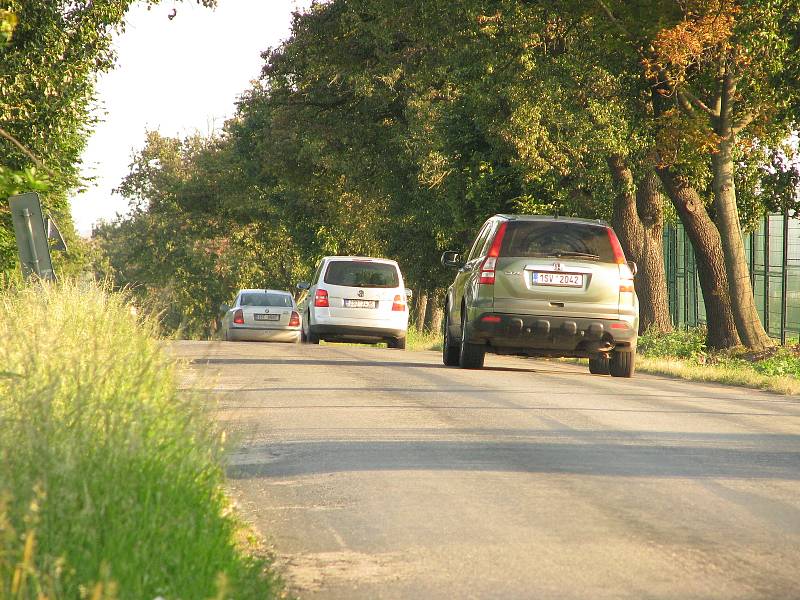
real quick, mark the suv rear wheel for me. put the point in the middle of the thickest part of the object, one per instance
(471, 355)
(450, 348)
(599, 366)
(622, 364)
(398, 343)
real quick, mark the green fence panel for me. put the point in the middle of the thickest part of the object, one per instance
(773, 255)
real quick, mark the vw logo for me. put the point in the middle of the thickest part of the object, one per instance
(557, 267)
(360, 293)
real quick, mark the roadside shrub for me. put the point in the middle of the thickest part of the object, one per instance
(785, 362)
(112, 473)
(684, 343)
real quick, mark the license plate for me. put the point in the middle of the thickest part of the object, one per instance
(360, 304)
(266, 317)
(557, 279)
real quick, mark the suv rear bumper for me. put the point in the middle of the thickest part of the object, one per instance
(356, 333)
(551, 336)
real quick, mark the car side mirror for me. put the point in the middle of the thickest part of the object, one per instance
(452, 259)
(633, 267)
(223, 308)
(303, 285)
(409, 294)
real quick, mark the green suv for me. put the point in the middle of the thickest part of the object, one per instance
(543, 286)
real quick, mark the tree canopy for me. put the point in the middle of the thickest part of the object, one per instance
(396, 128)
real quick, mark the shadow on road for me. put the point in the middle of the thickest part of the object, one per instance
(601, 459)
(356, 363)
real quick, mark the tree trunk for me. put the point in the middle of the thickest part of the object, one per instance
(710, 260)
(437, 316)
(745, 314)
(435, 312)
(651, 281)
(420, 306)
(624, 218)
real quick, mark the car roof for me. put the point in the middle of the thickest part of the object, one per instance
(258, 290)
(552, 218)
(364, 258)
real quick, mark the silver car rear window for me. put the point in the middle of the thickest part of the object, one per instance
(364, 274)
(528, 239)
(265, 299)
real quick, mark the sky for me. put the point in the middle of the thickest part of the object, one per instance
(177, 76)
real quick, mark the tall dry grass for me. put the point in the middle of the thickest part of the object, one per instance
(110, 480)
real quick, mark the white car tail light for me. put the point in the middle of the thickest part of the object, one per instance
(238, 317)
(321, 299)
(398, 305)
(294, 320)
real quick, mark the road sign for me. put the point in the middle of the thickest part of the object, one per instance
(54, 234)
(34, 251)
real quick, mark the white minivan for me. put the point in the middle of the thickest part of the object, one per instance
(355, 299)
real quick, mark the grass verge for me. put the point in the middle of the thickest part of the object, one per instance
(683, 354)
(110, 481)
(423, 340)
(718, 373)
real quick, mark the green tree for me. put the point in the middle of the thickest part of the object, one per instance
(722, 71)
(51, 55)
(190, 240)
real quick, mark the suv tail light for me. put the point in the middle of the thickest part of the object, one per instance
(625, 275)
(616, 247)
(398, 304)
(625, 279)
(490, 262)
(294, 320)
(238, 317)
(321, 298)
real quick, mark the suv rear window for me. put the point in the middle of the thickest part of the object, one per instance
(528, 239)
(362, 274)
(265, 299)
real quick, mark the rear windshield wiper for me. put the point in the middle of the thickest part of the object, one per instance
(587, 255)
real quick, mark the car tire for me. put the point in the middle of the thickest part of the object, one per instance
(600, 366)
(471, 356)
(308, 337)
(397, 343)
(622, 364)
(451, 350)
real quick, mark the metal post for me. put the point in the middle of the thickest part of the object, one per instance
(766, 273)
(784, 276)
(27, 215)
(674, 251)
(685, 282)
(753, 260)
(697, 290)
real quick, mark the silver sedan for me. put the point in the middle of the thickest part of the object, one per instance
(261, 315)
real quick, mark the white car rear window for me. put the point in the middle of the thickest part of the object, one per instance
(363, 274)
(265, 299)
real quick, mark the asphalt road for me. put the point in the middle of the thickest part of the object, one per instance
(382, 474)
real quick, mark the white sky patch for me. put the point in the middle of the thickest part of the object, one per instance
(178, 76)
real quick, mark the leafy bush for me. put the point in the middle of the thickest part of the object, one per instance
(785, 362)
(113, 473)
(688, 343)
